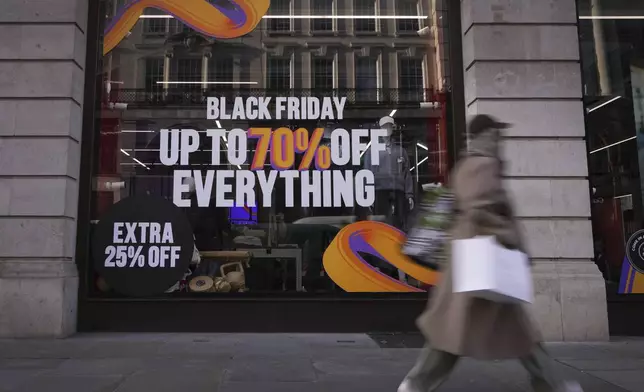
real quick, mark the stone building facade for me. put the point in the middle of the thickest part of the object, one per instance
(520, 62)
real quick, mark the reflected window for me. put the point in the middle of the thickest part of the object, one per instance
(188, 70)
(177, 26)
(323, 75)
(411, 80)
(280, 8)
(326, 8)
(407, 8)
(154, 22)
(153, 74)
(365, 8)
(279, 74)
(220, 70)
(367, 78)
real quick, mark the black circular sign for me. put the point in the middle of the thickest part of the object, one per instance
(635, 251)
(142, 246)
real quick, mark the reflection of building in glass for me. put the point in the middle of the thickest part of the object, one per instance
(387, 58)
(383, 65)
(291, 52)
(519, 63)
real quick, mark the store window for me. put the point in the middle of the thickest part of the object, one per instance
(408, 8)
(153, 74)
(412, 78)
(279, 74)
(155, 25)
(280, 8)
(367, 79)
(221, 70)
(188, 71)
(234, 159)
(612, 49)
(323, 74)
(366, 8)
(323, 8)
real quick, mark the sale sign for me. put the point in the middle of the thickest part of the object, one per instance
(142, 246)
(279, 149)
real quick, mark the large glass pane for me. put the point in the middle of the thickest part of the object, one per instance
(289, 128)
(612, 47)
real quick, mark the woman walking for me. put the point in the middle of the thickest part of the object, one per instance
(458, 324)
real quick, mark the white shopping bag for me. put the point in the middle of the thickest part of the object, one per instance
(487, 270)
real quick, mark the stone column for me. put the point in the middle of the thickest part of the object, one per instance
(204, 70)
(237, 76)
(601, 54)
(303, 7)
(391, 76)
(350, 58)
(167, 64)
(42, 47)
(306, 69)
(521, 62)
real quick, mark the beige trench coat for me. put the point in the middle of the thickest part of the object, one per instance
(456, 322)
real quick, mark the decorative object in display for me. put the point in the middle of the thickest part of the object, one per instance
(635, 251)
(229, 265)
(426, 242)
(236, 277)
(221, 285)
(202, 284)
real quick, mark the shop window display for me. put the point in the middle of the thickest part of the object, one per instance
(275, 148)
(612, 50)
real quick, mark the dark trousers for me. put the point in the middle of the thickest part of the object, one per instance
(394, 205)
(433, 367)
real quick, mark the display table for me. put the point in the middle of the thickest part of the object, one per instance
(281, 253)
(225, 254)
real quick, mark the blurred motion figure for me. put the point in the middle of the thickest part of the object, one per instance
(458, 324)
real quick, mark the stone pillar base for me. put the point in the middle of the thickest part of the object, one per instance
(38, 301)
(570, 301)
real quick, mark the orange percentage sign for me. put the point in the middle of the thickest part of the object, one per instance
(312, 149)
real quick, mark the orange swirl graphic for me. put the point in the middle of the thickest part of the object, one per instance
(346, 267)
(204, 16)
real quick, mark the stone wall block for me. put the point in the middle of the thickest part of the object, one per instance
(546, 310)
(48, 311)
(545, 158)
(535, 118)
(570, 301)
(42, 42)
(28, 196)
(517, 11)
(549, 197)
(583, 297)
(47, 79)
(42, 156)
(519, 42)
(37, 237)
(533, 79)
(45, 11)
(558, 238)
(41, 118)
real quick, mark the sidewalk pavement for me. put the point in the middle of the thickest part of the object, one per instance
(282, 363)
